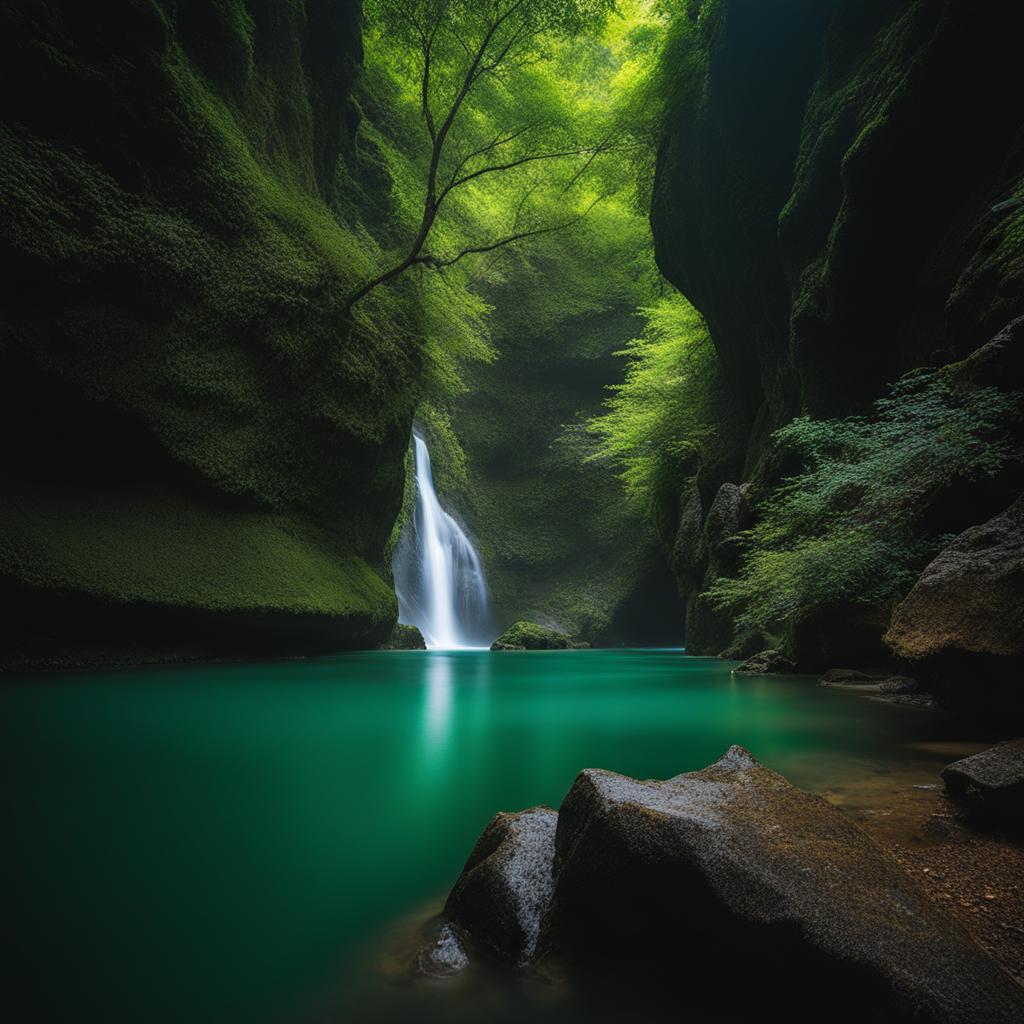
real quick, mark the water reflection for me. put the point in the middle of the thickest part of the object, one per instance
(438, 704)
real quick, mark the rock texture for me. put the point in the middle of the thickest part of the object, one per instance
(766, 663)
(718, 875)
(970, 599)
(404, 638)
(505, 888)
(992, 781)
(445, 956)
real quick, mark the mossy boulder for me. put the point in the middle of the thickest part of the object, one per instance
(528, 636)
(404, 638)
(764, 663)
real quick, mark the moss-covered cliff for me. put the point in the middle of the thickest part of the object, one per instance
(839, 193)
(200, 456)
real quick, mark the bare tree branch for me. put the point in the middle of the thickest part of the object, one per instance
(502, 35)
(437, 261)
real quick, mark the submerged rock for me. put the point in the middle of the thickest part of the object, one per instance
(970, 598)
(991, 781)
(732, 872)
(849, 677)
(766, 663)
(869, 682)
(444, 957)
(505, 888)
(528, 636)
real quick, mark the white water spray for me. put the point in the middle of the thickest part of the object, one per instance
(438, 577)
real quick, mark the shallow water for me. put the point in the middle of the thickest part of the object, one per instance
(230, 843)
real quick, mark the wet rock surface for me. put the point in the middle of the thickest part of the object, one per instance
(970, 598)
(723, 867)
(505, 888)
(734, 865)
(766, 663)
(404, 638)
(445, 957)
(991, 782)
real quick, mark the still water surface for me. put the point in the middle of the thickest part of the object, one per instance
(224, 843)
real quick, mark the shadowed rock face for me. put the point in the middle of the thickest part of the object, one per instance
(722, 874)
(970, 598)
(838, 192)
(200, 458)
(506, 885)
(992, 782)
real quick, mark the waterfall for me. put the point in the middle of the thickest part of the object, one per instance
(438, 577)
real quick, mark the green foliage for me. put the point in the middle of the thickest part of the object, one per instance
(166, 549)
(849, 526)
(657, 419)
(553, 531)
(528, 636)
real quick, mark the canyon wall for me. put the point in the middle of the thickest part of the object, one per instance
(200, 456)
(839, 192)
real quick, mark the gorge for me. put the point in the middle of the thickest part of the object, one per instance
(342, 338)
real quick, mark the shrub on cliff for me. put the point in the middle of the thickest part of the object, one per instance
(851, 526)
(658, 417)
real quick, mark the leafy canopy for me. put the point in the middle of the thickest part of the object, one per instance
(482, 116)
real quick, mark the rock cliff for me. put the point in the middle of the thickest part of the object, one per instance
(839, 191)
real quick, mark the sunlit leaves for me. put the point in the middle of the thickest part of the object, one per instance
(659, 414)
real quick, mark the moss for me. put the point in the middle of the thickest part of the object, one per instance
(556, 537)
(404, 638)
(168, 195)
(165, 548)
(528, 636)
(829, 196)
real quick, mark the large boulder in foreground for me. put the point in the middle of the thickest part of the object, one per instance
(991, 781)
(730, 888)
(970, 598)
(529, 636)
(505, 888)
(732, 875)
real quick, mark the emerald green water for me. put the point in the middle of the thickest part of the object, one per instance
(224, 843)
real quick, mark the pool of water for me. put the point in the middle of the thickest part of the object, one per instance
(226, 843)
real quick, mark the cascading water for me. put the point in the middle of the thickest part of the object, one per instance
(438, 577)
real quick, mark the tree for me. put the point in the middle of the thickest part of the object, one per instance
(457, 49)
